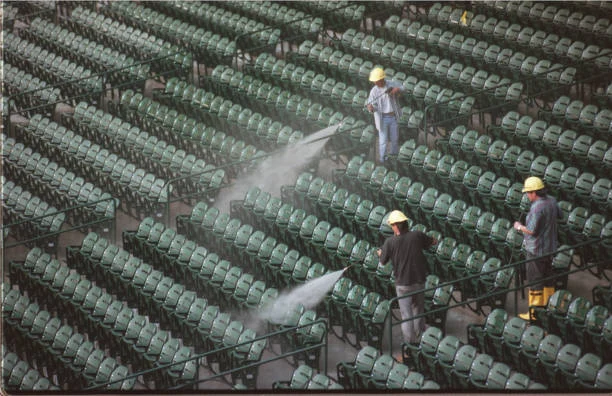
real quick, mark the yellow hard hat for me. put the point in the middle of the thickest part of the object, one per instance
(396, 217)
(533, 183)
(377, 74)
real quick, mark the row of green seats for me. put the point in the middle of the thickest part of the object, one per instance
(126, 39)
(207, 46)
(295, 25)
(149, 152)
(462, 366)
(585, 118)
(202, 325)
(250, 33)
(55, 183)
(304, 377)
(566, 181)
(78, 80)
(18, 81)
(44, 336)
(588, 21)
(377, 371)
(19, 375)
(33, 217)
(138, 189)
(95, 56)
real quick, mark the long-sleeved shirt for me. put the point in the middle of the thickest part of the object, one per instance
(383, 102)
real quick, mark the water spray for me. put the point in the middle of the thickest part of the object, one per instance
(278, 168)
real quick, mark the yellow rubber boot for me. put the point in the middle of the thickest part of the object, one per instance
(548, 291)
(536, 299)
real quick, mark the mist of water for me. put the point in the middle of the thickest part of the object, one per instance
(278, 169)
(310, 294)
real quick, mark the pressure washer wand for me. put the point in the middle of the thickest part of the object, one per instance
(378, 97)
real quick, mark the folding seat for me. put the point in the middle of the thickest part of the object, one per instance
(519, 381)
(602, 123)
(557, 112)
(573, 327)
(594, 321)
(551, 316)
(583, 186)
(572, 113)
(486, 337)
(404, 156)
(467, 265)
(337, 300)
(426, 204)
(381, 370)
(482, 366)
(586, 371)
(561, 371)
(593, 225)
(282, 273)
(603, 380)
(498, 376)
(322, 200)
(467, 74)
(600, 192)
(351, 308)
(17, 375)
(453, 74)
(418, 355)
(299, 380)
(576, 222)
(567, 182)
(440, 210)
(595, 155)
(454, 217)
(561, 263)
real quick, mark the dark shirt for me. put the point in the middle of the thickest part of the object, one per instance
(542, 221)
(406, 254)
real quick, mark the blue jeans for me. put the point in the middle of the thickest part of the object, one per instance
(388, 132)
(410, 307)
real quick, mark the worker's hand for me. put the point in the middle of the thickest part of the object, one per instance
(379, 252)
(370, 108)
(518, 226)
(393, 91)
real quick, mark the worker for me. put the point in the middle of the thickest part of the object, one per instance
(540, 238)
(382, 101)
(405, 251)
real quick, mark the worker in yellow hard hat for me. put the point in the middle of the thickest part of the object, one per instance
(382, 101)
(540, 238)
(405, 251)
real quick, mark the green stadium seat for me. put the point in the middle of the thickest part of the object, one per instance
(299, 379)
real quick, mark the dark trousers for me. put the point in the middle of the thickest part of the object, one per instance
(538, 269)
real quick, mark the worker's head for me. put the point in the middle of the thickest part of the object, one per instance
(398, 221)
(534, 187)
(377, 76)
